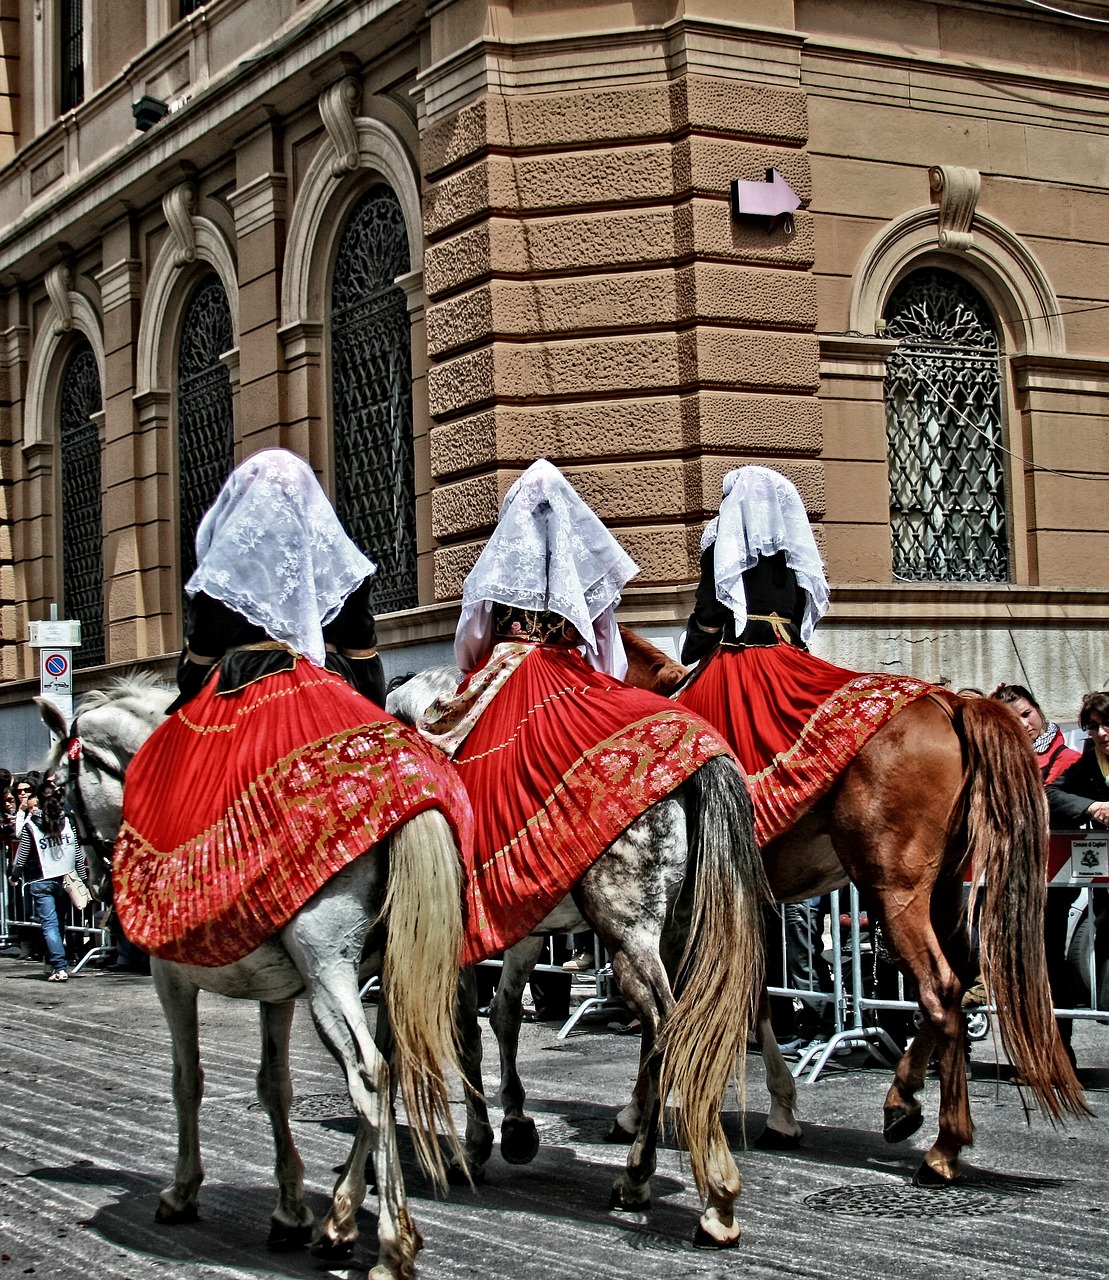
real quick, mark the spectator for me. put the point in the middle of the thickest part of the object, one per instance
(26, 791)
(1079, 797)
(1052, 753)
(48, 849)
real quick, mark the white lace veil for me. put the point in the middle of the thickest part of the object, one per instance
(762, 513)
(271, 547)
(549, 551)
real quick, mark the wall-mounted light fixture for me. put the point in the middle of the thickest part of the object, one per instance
(148, 111)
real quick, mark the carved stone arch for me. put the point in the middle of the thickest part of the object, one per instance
(997, 263)
(48, 355)
(325, 196)
(174, 272)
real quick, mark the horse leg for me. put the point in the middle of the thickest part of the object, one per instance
(178, 997)
(291, 1222)
(643, 984)
(479, 1132)
(902, 1111)
(939, 991)
(325, 940)
(782, 1131)
(626, 1125)
(519, 1137)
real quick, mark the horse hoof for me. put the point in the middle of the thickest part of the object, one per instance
(283, 1238)
(775, 1140)
(332, 1250)
(703, 1240)
(901, 1123)
(519, 1141)
(931, 1178)
(169, 1216)
(618, 1134)
(616, 1201)
(457, 1176)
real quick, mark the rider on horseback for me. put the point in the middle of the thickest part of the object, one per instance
(269, 749)
(557, 753)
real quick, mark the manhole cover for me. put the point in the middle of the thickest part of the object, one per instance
(886, 1200)
(316, 1106)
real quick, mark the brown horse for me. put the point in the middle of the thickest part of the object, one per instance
(948, 783)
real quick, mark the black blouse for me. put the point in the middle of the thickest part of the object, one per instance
(211, 629)
(771, 586)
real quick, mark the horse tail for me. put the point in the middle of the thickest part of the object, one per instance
(423, 917)
(720, 976)
(1007, 837)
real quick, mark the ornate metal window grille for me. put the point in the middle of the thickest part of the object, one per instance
(72, 54)
(371, 383)
(943, 428)
(82, 538)
(205, 425)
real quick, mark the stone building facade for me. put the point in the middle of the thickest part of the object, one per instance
(423, 243)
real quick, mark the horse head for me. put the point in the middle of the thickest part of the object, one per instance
(648, 666)
(91, 755)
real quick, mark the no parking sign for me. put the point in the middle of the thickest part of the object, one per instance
(55, 640)
(56, 679)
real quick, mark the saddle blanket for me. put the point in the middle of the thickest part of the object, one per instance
(558, 760)
(794, 721)
(242, 805)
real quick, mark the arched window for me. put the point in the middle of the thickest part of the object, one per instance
(371, 387)
(205, 423)
(943, 428)
(81, 534)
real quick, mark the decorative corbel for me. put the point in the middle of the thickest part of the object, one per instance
(58, 282)
(179, 205)
(955, 190)
(337, 105)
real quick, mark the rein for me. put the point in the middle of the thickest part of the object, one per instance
(87, 831)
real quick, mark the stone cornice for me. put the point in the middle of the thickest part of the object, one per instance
(259, 203)
(944, 606)
(1058, 372)
(119, 283)
(853, 355)
(129, 172)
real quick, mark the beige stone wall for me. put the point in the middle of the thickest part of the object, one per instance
(889, 96)
(591, 299)
(579, 288)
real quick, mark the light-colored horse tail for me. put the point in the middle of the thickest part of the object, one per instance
(1007, 835)
(720, 976)
(423, 916)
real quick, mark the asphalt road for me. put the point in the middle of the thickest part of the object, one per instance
(87, 1139)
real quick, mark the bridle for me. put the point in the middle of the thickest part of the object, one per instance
(88, 833)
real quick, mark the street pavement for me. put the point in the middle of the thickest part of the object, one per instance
(87, 1138)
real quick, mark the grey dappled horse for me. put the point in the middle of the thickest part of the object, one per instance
(409, 883)
(677, 901)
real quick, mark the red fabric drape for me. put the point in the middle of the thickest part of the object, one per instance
(241, 806)
(794, 721)
(561, 762)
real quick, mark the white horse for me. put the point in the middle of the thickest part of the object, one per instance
(677, 900)
(400, 901)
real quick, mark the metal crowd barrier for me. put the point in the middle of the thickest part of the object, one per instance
(85, 933)
(1076, 860)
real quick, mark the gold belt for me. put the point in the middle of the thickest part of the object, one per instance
(780, 624)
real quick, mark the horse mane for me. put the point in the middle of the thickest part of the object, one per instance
(648, 666)
(132, 684)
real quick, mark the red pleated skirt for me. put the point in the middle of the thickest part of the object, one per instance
(242, 805)
(794, 721)
(559, 764)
